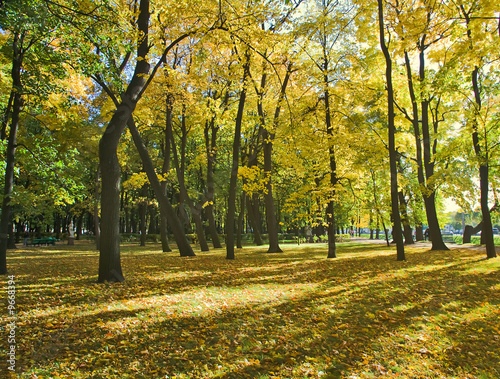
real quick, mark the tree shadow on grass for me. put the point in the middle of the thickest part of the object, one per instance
(363, 313)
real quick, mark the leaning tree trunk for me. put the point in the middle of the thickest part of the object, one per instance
(396, 219)
(166, 208)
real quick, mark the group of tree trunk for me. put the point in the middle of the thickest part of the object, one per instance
(426, 145)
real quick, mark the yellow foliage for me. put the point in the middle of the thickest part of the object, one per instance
(137, 180)
(254, 179)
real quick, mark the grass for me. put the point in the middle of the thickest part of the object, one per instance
(290, 315)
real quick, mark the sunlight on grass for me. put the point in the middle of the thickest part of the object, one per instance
(290, 315)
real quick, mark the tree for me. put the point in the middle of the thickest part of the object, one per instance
(30, 48)
(329, 29)
(468, 13)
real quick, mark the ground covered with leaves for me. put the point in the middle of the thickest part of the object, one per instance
(290, 315)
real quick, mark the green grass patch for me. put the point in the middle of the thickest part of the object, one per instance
(290, 315)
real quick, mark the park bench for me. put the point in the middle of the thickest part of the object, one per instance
(44, 241)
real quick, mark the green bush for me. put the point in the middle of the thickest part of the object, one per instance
(474, 240)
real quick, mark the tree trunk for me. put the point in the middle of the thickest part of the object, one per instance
(330, 209)
(164, 234)
(6, 116)
(97, 229)
(241, 220)
(152, 225)
(231, 209)
(211, 151)
(79, 224)
(5, 222)
(109, 259)
(419, 232)
(272, 223)
(468, 232)
(430, 192)
(142, 214)
(165, 170)
(407, 230)
(397, 233)
(254, 218)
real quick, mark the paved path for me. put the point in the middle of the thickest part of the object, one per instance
(426, 244)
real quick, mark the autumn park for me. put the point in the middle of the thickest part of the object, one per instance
(250, 189)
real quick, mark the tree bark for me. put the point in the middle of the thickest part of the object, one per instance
(407, 230)
(397, 233)
(429, 194)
